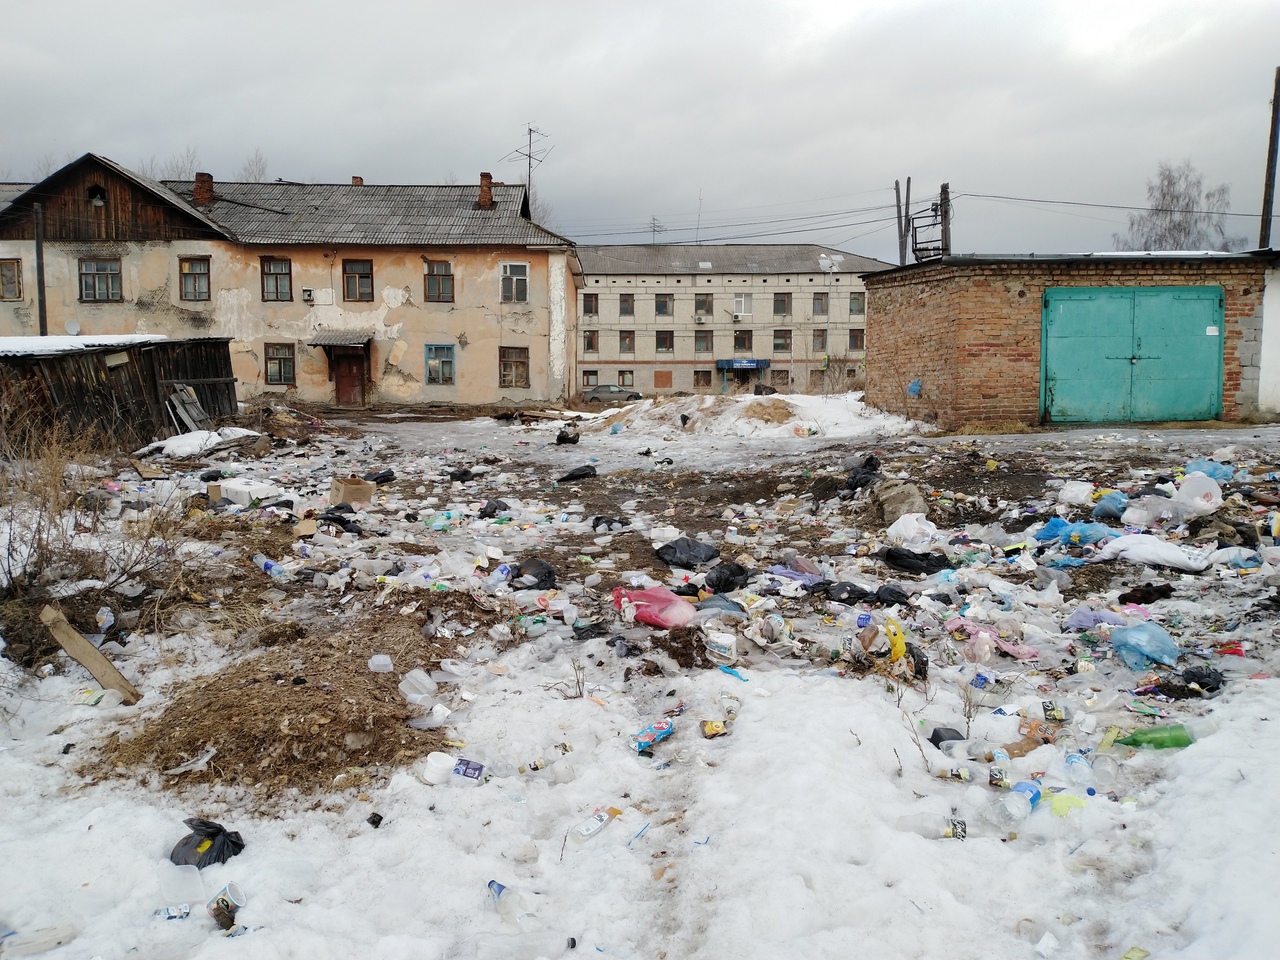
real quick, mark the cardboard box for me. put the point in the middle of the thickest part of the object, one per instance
(244, 491)
(351, 490)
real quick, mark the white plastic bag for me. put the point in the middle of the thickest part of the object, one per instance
(1076, 492)
(1199, 494)
(1145, 548)
(912, 528)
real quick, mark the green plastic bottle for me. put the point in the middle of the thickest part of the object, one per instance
(1173, 735)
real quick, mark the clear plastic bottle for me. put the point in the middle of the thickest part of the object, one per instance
(933, 826)
(1015, 806)
(589, 827)
(1080, 772)
(268, 566)
(498, 578)
(513, 908)
(544, 945)
(998, 772)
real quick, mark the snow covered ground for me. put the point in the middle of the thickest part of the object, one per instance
(778, 840)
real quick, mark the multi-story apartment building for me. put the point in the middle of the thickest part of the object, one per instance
(665, 318)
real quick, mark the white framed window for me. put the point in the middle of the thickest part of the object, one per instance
(515, 283)
(742, 304)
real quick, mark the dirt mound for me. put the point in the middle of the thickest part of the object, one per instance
(772, 410)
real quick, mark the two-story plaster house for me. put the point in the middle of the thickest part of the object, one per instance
(346, 293)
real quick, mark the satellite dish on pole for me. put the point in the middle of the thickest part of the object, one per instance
(72, 326)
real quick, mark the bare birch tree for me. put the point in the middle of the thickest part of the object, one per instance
(1183, 215)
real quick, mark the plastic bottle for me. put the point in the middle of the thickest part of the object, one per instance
(1106, 770)
(1173, 735)
(267, 566)
(1080, 772)
(513, 908)
(933, 826)
(966, 749)
(589, 827)
(499, 577)
(730, 703)
(1015, 806)
(998, 772)
(518, 946)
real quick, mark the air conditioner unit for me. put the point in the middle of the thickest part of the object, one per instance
(308, 295)
(737, 316)
(699, 319)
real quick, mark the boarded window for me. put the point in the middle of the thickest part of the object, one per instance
(662, 379)
(438, 277)
(816, 379)
(10, 279)
(780, 378)
(440, 364)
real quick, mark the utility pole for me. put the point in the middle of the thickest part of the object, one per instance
(40, 306)
(904, 220)
(944, 208)
(1269, 187)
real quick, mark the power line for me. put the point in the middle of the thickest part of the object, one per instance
(1105, 206)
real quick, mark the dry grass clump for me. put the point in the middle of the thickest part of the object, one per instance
(772, 410)
(985, 428)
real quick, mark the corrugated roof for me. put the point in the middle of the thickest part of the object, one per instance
(51, 346)
(670, 258)
(10, 190)
(341, 338)
(370, 214)
(1111, 256)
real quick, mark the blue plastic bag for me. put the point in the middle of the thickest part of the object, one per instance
(1060, 531)
(1110, 506)
(1143, 644)
(1211, 469)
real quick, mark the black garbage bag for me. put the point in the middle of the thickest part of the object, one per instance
(686, 590)
(684, 419)
(492, 508)
(919, 662)
(687, 552)
(1146, 593)
(764, 390)
(845, 592)
(889, 595)
(609, 523)
(819, 587)
(913, 562)
(578, 473)
(207, 843)
(543, 574)
(861, 477)
(1206, 678)
(380, 476)
(462, 476)
(567, 436)
(727, 576)
(211, 476)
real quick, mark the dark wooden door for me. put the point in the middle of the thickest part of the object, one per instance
(348, 378)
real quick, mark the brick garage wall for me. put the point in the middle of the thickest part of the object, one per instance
(971, 332)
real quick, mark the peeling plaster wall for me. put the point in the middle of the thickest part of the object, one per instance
(1269, 351)
(477, 324)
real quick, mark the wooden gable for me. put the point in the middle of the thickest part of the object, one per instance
(88, 200)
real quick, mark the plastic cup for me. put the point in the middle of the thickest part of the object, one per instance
(439, 768)
(230, 898)
(380, 663)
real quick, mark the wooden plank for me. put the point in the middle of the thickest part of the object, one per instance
(87, 655)
(146, 472)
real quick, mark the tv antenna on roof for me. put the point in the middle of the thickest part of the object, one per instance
(529, 155)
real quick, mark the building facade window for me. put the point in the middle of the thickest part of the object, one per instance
(664, 341)
(664, 304)
(10, 279)
(193, 272)
(821, 303)
(437, 278)
(513, 366)
(626, 378)
(742, 341)
(742, 304)
(782, 341)
(816, 379)
(662, 379)
(819, 341)
(590, 378)
(440, 364)
(626, 341)
(782, 304)
(280, 363)
(357, 280)
(780, 378)
(857, 304)
(702, 378)
(626, 305)
(857, 339)
(99, 280)
(515, 283)
(704, 341)
(591, 341)
(591, 304)
(703, 305)
(277, 279)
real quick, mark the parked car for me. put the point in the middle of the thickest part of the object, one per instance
(608, 391)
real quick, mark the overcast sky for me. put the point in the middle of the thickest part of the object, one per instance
(781, 116)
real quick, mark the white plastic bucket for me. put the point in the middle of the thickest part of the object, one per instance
(439, 768)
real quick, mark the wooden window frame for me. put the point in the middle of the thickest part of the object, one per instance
(113, 295)
(664, 304)
(708, 339)
(785, 338)
(627, 379)
(287, 274)
(626, 304)
(860, 335)
(451, 361)
(279, 360)
(437, 283)
(195, 275)
(819, 341)
(590, 378)
(351, 272)
(667, 336)
(16, 264)
(591, 304)
(701, 378)
(512, 292)
(590, 341)
(623, 337)
(704, 304)
(821, 304)
(742, 341)
(782, 300)
(510, 361)
(858, 297)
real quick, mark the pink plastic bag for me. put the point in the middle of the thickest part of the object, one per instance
(657, 606)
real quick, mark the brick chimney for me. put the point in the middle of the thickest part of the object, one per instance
(357, 181)
(486, 190)
(202, 191)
